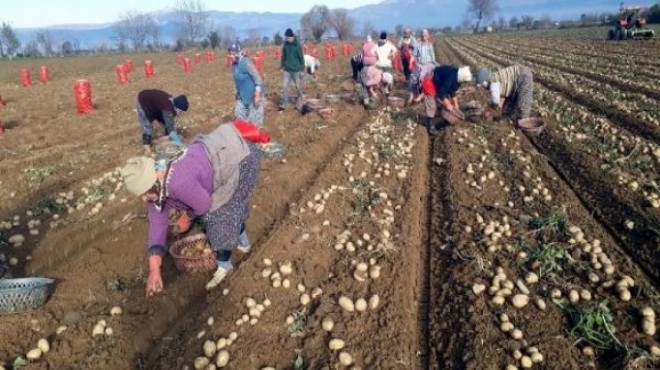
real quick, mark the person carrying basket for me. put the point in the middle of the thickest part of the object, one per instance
(212, 178)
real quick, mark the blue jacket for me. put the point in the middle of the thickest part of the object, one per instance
(445, 79)
(245, 83)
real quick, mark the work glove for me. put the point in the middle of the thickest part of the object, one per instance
(176, 139)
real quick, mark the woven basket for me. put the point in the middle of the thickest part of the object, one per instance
(331, 98)
(23, 294)
(272, 150)
(532, 126)
(190, 265)
(396, 102)
(327, 113)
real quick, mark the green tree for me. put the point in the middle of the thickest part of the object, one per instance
(9, 43)
(278, 39)
(654, 14)
(214, 39)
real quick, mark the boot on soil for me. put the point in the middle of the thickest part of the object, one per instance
(430, 127)
(243, 242)
(224, 268)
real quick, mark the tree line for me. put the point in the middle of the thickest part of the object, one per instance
(194, 28)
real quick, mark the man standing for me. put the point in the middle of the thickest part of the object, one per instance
(292, 64)
(385, 53)
(157, 105)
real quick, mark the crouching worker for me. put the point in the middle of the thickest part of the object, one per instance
(312, 65)
(157, 105)
(213, 179)
(374, 79)
(440, 88)
(512, 85)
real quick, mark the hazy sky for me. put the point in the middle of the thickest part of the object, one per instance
(41, 13)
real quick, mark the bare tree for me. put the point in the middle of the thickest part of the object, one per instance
(342, 23)
(254, 37)
(501, 24)
(135, 28)
(193, 20)
(46, 41)
(368, 29)
(9, 43)
(316, 21)
(31, 49)
(527, 21)
(227, 35)
(482, 9)
(513, 23)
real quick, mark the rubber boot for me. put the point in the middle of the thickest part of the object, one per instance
(430, 127)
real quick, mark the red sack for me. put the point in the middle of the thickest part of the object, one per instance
(428, 87)
(250, 132)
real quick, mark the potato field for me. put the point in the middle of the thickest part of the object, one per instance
(375, 246)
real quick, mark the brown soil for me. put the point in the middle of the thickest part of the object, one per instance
(423, 228)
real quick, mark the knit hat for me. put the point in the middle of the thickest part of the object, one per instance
(139, 174)
(288, 33)
(483, 75)
(388, 78)
(383, 35)
(180, 102)
(464, 74)
(235, 47)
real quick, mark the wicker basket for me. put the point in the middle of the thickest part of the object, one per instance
(396, 102)
(272, 150)
(452, 117)
(331, 98)
(190, 265)
(23, 294)
(327, 113)
(532, 126)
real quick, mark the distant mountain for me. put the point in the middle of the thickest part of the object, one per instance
(383, 16)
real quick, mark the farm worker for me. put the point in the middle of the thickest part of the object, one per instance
(312, 65)
(374, 79)
(292, 64)
(5, 270)
(513, 85)
(213, 179)
(441, 87)
(369, 51)
(157, 105)
(249, 91)
(385, 52)
(420, 72)
(356, 66)
(407, 45)
(424, 52)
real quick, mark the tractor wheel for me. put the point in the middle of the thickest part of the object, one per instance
(618, 35)
(610, 34)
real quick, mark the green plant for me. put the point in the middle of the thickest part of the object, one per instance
(38, 174)
(47, 206)
(552, 259)
(593, 325)
(299, 362)
(552, 225)
(297, 327)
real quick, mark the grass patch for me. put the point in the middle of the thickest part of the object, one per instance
(551, 226)
(47, 206)
(551, 260)
(592, 324)
(297, 327)
(38, 174)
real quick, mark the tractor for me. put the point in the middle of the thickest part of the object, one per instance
(630, 25)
